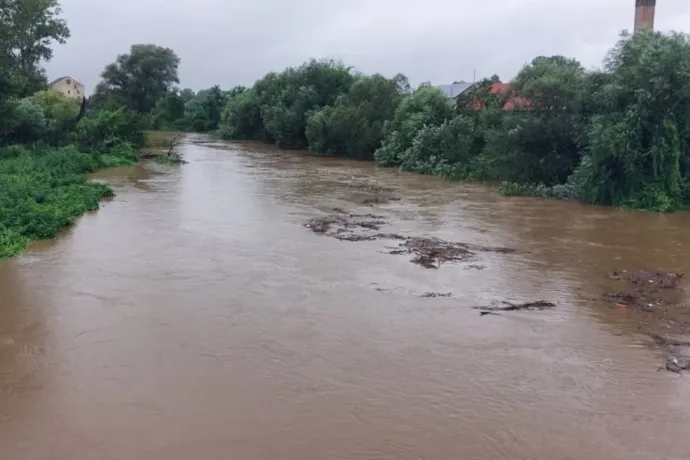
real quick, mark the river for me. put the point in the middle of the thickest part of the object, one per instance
(195, 317)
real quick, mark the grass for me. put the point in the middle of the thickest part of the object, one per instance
(43, 191)
(159, 139)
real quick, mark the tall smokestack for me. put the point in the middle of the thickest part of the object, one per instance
(644, 14)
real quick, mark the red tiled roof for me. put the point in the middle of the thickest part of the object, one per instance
(513, 101)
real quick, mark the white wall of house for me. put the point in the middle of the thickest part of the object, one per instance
(69, 87)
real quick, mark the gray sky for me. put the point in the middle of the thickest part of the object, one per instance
(230, 42)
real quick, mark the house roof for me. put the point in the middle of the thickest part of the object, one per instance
(454, 89)
(63, 78)
(513, 100)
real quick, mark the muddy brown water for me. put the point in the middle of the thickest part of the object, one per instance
(195, 317)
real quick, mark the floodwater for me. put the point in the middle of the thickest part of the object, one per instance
(195, 317)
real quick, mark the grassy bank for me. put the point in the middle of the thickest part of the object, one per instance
(43, 191)
(159, 139)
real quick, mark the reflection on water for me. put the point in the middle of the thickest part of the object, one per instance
(194, 316)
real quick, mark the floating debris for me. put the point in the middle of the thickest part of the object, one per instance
(664, 280)
(432, 252)
(635, 300)
(677, 363)
(509, 306)
(428, 295)
(351, 227)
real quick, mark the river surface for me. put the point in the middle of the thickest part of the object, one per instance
(195, 317)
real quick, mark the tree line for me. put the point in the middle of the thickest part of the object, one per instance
(616, 136)
(619, 135)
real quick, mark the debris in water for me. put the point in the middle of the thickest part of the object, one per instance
(428, 295)
(350, 227)
(379, 199)
(654, 278)
(677, 363)
(493, 313)
(509, 306)
(635, 300)
(671, 341)
(432, 252)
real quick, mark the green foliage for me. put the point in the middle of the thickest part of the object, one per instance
(285, 101)
(139, 79)
(353, 125)
(169, 112)
(638, 141)
(27, 29)
(105, 131)
(42, 192)
(203, 113)
(424, 107)
(241, 118)
(42, 179)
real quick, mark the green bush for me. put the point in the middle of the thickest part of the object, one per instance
(42, 192)
(353, 126)
(104, 131)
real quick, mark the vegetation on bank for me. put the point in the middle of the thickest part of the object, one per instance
(48, 143)
(616, 136)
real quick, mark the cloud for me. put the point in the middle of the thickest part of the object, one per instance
(230, 42)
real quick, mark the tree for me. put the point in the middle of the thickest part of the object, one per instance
(241, 118)
(169, 111)
(539, 142)
(425, 106)
(203, 113)
(187, 94)
(287, 99)
(138, 80)
(353, 126)
(639, 138)
(27, 29)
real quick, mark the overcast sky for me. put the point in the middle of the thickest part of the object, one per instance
(231, 42)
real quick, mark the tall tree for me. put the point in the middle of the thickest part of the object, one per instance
(138, 80)
(27, 30)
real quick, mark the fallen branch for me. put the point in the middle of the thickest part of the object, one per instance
(508, 306)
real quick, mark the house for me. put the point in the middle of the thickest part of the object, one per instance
(455, 89)
(511, 99)
(69, 87)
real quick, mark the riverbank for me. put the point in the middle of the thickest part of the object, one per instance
(43, 191)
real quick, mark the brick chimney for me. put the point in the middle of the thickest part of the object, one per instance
(644, 14)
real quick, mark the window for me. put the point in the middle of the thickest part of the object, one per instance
(69, 82)
(69, 92)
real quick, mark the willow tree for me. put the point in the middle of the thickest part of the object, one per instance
(639, 139)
